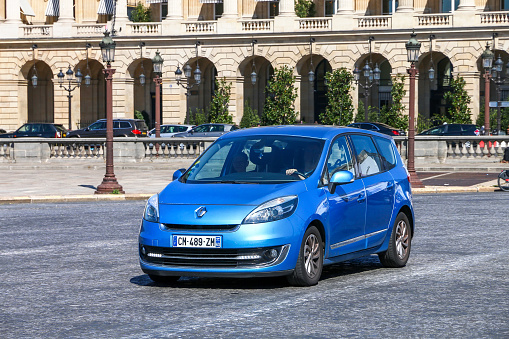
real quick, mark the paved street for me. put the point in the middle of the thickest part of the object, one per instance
(70, 271)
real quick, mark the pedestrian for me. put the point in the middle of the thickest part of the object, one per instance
(505, 159)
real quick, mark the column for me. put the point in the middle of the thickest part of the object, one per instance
(345, 7)
(287, 8)
(230, 9)
(66, 11)
(175, 10)
(466, 5)
(12, 10)
(121, 15)
(406, 6)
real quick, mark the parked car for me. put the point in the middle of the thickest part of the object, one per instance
(283, 200)
(121, 128)
(452, 129)
(378, 127)
(170, 130)
(207, 130)
(2, 131)
(38, 130)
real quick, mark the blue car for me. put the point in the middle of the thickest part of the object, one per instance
(282, 200)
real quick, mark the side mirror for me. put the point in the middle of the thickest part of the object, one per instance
(87, 129)
(178, 173)
(340, 178)
(191, 131)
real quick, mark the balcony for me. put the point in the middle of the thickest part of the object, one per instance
(200, 26)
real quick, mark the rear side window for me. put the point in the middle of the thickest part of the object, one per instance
(141, 125)
(454, 128)
(125, 124)
(367, 155)
(47, 128)
(387, 155)
(217, 128)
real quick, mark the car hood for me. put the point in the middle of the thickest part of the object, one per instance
(226, 194)
(221, 204)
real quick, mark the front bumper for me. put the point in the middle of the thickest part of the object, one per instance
(268, 249)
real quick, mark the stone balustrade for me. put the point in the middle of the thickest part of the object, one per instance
(37, 31)
(257, 25)
(494, 18)
(89, 30)
(315, 24)
(200, 26)
(382, 21)
(427, 20)
(90, 149)
(144, 28)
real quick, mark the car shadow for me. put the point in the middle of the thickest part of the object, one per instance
(339, 270)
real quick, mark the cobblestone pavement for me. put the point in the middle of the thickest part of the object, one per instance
(70, 270)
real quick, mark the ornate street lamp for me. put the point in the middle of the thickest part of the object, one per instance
(157, 62)
(254, 76)
(142, 75)
(72, 85)
(371, 78)
(311, 74)
(413, 47)
(109, 184)
(187, 73)
(87, 77)
(487, 62)
(34, 77)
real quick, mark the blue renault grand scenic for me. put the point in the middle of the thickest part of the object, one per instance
(281, 200)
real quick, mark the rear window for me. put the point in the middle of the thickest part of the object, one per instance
(141, 125)
(454, 128)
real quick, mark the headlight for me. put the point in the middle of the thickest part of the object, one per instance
(152, 209)
(273, 210)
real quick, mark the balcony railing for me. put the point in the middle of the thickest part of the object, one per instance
(368, 22)
(434, 19)
(257, 25)
(316, 24)
(200, 26)
(138, 28)
(90, 29)
(494, 18)
(37, 31)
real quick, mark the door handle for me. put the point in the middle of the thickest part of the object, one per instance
(390, 186)
(361, 197)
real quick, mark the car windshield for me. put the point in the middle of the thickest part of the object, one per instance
(257, 160)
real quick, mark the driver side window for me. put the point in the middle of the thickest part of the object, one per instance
(339, 158)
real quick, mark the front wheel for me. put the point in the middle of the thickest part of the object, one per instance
(503, 181)
(310, 261)
(399, 245)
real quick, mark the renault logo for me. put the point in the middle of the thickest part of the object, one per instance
(200, 212)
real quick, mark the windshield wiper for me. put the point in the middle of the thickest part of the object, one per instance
(234, 182)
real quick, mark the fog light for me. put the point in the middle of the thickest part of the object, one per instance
(248, 257)
(143, 250)
(271, 254)
(155, 255)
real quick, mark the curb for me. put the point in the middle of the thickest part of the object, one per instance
(73, 198)
(145, 196)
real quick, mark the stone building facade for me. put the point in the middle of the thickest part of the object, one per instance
(231, 39)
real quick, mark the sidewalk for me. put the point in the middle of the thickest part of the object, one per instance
(77, 181)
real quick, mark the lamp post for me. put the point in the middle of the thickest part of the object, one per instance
(499, 79)
(371, 77)
(109, 183)
(34, 77)
(487, 61)
(413, 47)
(73, 83)
(157, 62)
(187, 73)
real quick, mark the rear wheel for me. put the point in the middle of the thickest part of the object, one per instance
(310, 261)
(163, 279)
(503, 181)
(399, 245)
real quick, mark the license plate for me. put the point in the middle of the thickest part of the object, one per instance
(204, 241)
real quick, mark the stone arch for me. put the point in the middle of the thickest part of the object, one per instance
(143, 94)
(254, 94)
(37, 105)
(92, 98)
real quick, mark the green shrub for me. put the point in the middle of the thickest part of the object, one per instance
(250, 117)
(279, 106)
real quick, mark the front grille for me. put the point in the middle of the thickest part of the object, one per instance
(200, 227)
(211, 257)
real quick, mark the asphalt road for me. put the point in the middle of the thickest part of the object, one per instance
(71, 271)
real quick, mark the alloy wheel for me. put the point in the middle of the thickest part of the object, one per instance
(402, 239)
(312, 255)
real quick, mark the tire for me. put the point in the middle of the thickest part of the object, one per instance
(399, 245)
(310, 261)
(160, 279)
(503, 181)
